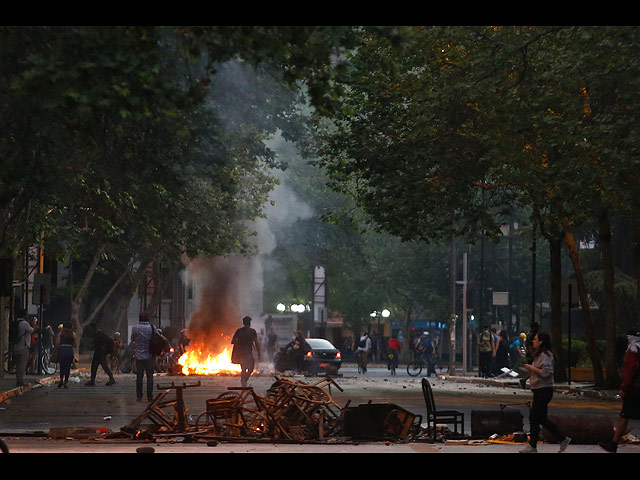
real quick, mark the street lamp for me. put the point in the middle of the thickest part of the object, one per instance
(384, 313)
(280, 307)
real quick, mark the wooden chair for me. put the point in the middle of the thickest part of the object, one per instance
(434, 416)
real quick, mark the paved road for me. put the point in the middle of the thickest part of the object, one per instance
(26, 419)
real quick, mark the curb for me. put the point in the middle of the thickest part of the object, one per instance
(584, 391)
(25, 388)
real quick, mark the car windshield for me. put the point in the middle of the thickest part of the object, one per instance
(320, 343)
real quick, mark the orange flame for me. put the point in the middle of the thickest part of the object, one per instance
(197, 362)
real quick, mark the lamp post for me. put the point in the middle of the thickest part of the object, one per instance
(384, 314)
(464, 312)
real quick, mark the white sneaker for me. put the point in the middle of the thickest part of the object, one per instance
(529, 449)
(564, 444)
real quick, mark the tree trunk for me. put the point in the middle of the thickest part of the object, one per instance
(584, 302)
(555, 250)
(608, 302)
(129, 290)
(77, 300)
(406, 341)
(107, 295)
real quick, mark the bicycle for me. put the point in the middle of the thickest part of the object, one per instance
(419, 362)
(48, 367)
(114, 361)
(9, 363)
(392, 361)
(415, 367)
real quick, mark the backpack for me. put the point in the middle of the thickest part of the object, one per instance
(485, 342)
(106, 341)
(157, 343)
(13, 332)
(363, 342)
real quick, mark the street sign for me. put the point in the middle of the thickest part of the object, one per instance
(41, 289)
(501, 298)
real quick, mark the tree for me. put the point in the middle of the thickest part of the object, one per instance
(106, 125)
(510, 110)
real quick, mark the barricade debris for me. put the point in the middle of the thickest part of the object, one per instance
(289, 411)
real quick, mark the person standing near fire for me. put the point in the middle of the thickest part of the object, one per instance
(245, 349)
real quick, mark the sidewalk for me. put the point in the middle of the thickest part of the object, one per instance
(9, 389)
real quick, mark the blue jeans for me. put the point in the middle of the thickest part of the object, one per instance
(145, 367)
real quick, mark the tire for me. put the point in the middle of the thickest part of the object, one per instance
(48, 367)
(414, 369)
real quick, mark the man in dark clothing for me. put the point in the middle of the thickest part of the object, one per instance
(299, 348)
(103, 345)
(244, 341)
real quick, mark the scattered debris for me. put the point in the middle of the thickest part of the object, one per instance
(289, 411)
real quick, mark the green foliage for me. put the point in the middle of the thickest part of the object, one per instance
(144, 141)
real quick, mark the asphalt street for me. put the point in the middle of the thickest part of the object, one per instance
(29, 415)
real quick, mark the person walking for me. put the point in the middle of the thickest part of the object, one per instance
(541, 384)
(501, 351)
(245, 346)
(362, 351)
(102, 346)
(21, 345)
(66, 343)
(629, 391)
(485, 351)
(145, 360)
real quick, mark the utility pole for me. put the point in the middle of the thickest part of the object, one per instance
(464, 312)
(452, 322)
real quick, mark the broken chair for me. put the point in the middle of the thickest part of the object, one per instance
(435, 416)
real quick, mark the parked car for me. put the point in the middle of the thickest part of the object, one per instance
(323, 358)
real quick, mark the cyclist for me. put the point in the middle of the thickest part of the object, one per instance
(362, 352)
(424, 347)
(393, 347)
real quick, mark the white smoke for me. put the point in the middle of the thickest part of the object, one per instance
(226, 289)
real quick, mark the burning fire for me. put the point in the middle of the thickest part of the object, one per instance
(198, 362)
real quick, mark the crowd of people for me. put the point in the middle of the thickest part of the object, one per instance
(496, 351)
